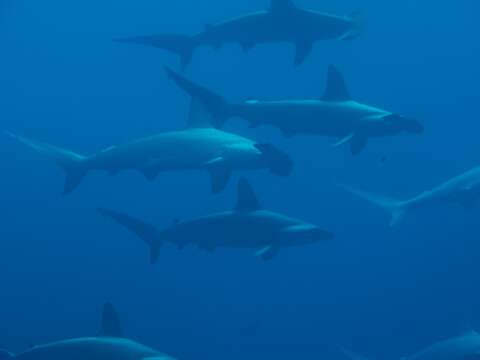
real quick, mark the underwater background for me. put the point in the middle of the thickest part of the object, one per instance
(383, 292)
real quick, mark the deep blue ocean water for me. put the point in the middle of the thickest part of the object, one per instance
(380, 291)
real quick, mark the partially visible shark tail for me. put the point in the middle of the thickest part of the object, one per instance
(74, 165)
(214, 103)
(144, 230)
(182, 45)
(396, 208)
(5, 355)
(351, 355)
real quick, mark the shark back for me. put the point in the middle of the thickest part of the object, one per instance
(464, 346)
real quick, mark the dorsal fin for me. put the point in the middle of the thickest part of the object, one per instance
(247, 200)
(336, 89)
(199, 116)
(110, 326)
(282, 6)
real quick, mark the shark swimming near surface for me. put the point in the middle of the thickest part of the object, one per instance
(462, 347)
(247, 226)
(198, 147)
(109, 344)
(283, 22)
(335, 114)
(463, 190)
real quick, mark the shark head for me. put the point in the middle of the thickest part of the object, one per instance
(401, 123)
(277, 161)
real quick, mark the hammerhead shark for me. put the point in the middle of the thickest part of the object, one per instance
(109, 344)
(335, 114)
(198, 147)
(247, 226)
(283, 22)
(463, 346)
(463, 190)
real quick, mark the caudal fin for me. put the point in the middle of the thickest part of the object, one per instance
(182, 45)
(72, 164)
(143, 230)
(396, 208)
(213, 102)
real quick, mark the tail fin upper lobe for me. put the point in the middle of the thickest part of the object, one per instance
(73, 164)
(215, 103)
(396, 208)
(182, 45)
(143, 230)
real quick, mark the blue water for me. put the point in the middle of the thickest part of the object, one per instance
(383, 292)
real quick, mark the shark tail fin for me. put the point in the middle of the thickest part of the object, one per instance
(181, 45)
(4, 355)
(396, 208)
(145, 231)
(110, 325)
(214, 103)
(74, 165)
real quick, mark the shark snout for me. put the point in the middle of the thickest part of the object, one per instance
(278, 162)
(404, 123)
(411, 125)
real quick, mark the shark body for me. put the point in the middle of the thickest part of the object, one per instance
(110, 344)
(461, 190)
(199, 147)
(248, 226)
(283, 22)
(334, 115)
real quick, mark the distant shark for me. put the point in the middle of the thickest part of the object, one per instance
(283, 22)
(109, 344)
(199, 147)
(246, 226)
(461, 347)
(463, 190)
(335, 115)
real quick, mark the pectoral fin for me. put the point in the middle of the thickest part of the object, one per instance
(357, 144)
(303, 49)
(220, 174)
(268, 252)
(344, 140)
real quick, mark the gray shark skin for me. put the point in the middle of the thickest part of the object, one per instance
(247, 226)
(283, 22)
(462, 347)
(462, 190)
(199, 147)
(334, 115)
(108, 345)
